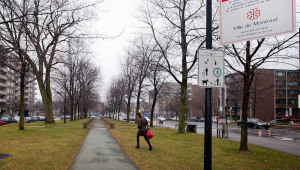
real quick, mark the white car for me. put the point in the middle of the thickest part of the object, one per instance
(147, 118)
(17, 118)
(161, 119)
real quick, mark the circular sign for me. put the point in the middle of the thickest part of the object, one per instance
(217, 72)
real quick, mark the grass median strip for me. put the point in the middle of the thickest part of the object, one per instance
(52, 147)
(186, 151)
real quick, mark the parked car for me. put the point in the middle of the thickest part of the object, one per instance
(161, 119)
(29, 119)
(42, 118)
(2, 123)
(67, 116)
(277, 121)
(255, 123)
(17, 118)
(8, 120)
(202, 119)
(36, 118)
(195, 119)
(147, 118)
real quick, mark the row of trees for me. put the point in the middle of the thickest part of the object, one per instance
(36, 33)
(77, 82)
(141, 68)
(176, 33)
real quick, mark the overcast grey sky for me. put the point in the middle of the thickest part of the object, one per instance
(117, 16)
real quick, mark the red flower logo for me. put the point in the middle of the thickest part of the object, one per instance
(253, 14)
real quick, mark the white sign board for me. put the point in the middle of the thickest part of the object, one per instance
(243, 20)
(298, 100)
(211, 68)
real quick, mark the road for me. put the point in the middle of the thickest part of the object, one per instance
(280, 139)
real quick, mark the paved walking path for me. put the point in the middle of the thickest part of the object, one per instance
(101, 151)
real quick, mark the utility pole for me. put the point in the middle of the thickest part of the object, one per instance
(208, 114)
(223, 110)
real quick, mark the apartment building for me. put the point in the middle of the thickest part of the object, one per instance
(274, 94)
(10, 91)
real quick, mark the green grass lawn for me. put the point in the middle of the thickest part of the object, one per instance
(40, 145)
(186, 151)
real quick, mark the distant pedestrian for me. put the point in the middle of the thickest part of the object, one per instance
(142, 125)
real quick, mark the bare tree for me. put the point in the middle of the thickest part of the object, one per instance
(49, 25)
(115, 96)
(157, 78)
(13, 45)
(143, 51)
(76, 80)
(177, 29)
(250, 56)
(131, 78)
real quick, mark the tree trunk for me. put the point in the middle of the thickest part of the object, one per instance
(244, 130)
(184, 73)
(75, 112)
(47, 103)
(22, 97)
(78, 114)
(138, 101)
(153, 106)
(65, 108)
(72, 110)
(246, 95)
(182, 106)
(46, 96)
(128, 108)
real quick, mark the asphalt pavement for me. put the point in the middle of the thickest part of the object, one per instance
(101, 151)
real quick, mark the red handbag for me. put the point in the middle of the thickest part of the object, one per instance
(149, 134)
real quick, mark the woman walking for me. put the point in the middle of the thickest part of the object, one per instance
(142, 125)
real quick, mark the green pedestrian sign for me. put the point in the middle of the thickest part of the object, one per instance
(211, 68)
(217, 72)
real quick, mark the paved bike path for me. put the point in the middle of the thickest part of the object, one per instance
(101, 151)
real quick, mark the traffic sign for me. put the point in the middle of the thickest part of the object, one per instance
(247, 20)
(210, 68)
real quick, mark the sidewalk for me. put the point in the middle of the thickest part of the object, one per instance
(101, 151)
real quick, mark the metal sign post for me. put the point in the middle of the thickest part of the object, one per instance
(208, 114)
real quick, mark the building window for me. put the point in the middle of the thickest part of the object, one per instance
(292, 83)
(293, 92)
(292, 101)
(280, 101)
(280, 83)
(280, 73)
(280, 110)
(280, 92)
(292, 74)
